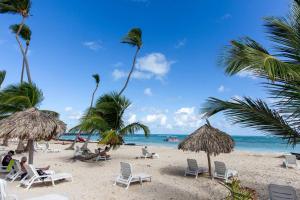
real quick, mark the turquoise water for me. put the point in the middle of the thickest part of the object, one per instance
(245, 143)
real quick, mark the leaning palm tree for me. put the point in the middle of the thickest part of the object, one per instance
(77, 129)
(107, 118)
(280, 69)
(20, 7)
(25, 34)
(133, 38)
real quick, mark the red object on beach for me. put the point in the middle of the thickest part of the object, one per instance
(80, 139)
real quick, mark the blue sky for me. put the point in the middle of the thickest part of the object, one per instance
(177, 68)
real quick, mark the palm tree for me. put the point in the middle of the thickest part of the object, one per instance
(2, 76)
(25, 34)
(21, 7)
(133, 38)
(19, 97)
(280, 69)
(77, 129)
(107, 118)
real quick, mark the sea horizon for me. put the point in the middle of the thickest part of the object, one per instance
(249, 143)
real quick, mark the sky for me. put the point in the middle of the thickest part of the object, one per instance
(177, 68)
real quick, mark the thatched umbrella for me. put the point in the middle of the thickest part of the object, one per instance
(208, 139)
(32, 125)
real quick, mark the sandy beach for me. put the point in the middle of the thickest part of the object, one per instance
(94, 180)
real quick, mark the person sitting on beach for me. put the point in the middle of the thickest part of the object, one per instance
(7, 158)
(104, 152)
(40, 171)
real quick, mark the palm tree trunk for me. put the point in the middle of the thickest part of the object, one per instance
(31, 152)
(209, 164)
(23, 65)
(71, 147)
(5, 142)
(131, 71)
(22, 50)
(20, 147)
(84, 146)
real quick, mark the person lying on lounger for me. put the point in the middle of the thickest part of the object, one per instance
(40, 171)
(104, 152)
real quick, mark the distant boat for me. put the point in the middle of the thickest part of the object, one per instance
(171, 139)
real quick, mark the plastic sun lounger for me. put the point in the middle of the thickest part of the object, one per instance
(33, 177)
(281, 192)
(49, 150)
(290, 161)
(15, 173)
(126, 177)
(3, 194)
(193, 168)
(222, 172)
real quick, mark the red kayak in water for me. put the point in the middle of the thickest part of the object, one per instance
(80, 139)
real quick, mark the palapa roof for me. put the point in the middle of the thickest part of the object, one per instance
(31, 124)
(208, 139)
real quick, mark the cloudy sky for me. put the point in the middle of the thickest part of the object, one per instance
(176, 71)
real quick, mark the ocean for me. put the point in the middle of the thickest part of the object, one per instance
(243, 143)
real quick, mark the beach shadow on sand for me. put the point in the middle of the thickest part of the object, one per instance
(168, 192)
(178, 172)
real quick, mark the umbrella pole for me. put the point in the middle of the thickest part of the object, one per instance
(209, 164)
(31, 151)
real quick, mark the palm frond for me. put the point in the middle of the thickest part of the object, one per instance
(97, 78)
(133, 128)
(253, 114)
(248, 55)
(21, 96)
(25, 32)
(111, 138)
(2, 76)
(21, 7)
(133, 37)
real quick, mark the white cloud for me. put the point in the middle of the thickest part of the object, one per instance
(246, 74)
(154, 63)
(156, 118)
(93, 45)
(75, 115)
(180, 43)
(226, 16)
(118, 74)
(132, 118)
(118, 64)
(187, 117)
(221, 88)
(68, 108)
(148, 92)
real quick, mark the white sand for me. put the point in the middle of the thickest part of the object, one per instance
(95, 180)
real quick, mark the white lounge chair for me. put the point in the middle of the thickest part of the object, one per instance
(99, 157)
(50, 150)
(15, 173)
(290, 161)
(222, 172)
(33, 177)
(3, 194)
(281, 192)
(193, 168)
(126, 177)
(39, 146)
(147, 154)
(77, 152)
